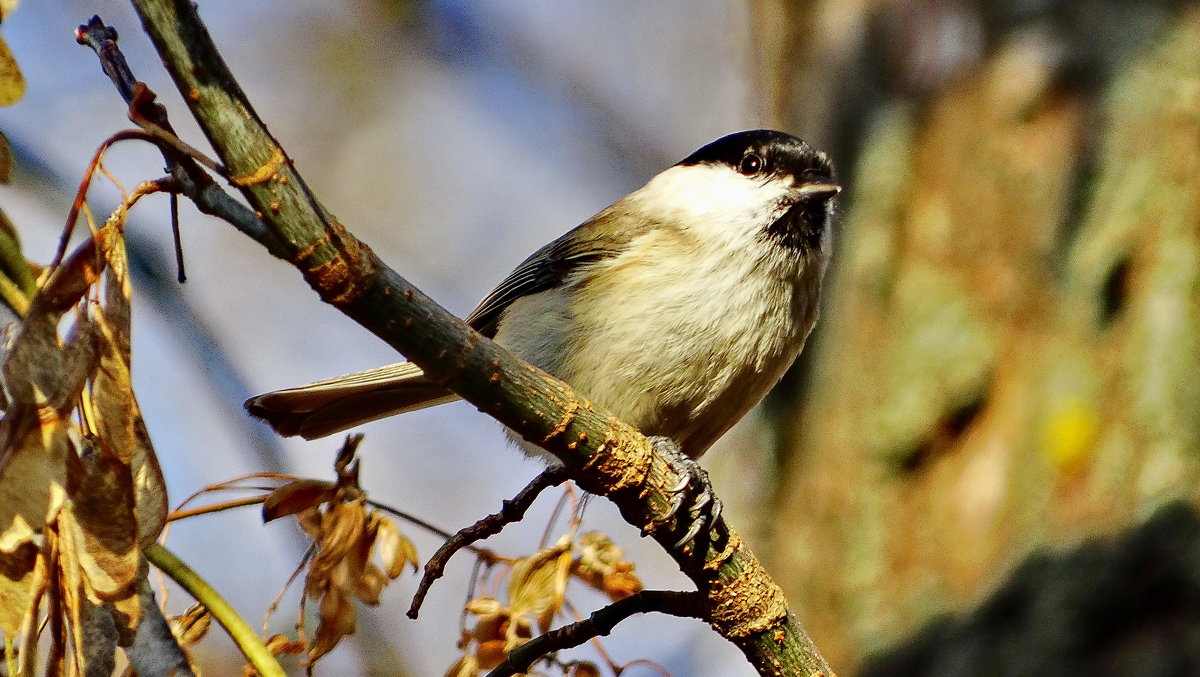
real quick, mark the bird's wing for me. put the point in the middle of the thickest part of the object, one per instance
(549, 267)
(336, 404)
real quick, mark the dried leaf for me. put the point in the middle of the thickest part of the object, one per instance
(297, 496)
(491, 653)
(282, 644)
(345, 535)
(601, 566)
(598, 553)
(22, 584)
(585, 669)
(467, 666)
(6, 8)
(150, 505)
(104, 526)
(395, 550)
(621, 583)
(337, 620)
(6, 159)
(192, 625)
(12, 83)
(33, 480)
(484, 606)
(538, 583)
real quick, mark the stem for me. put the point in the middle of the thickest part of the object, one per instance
(239, 630)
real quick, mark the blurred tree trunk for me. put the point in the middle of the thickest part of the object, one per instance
(1010, 354)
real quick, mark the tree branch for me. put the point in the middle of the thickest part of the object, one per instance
(599, 624)
(510, 511)
(603, 454)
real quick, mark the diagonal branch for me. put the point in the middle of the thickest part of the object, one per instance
(599, 624)
(603, 454)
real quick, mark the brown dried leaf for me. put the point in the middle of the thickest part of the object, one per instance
(22, 584)
(598, 553)
(33, 480)
(295, 497)
(395, 550)
(150, 505)
(345, 535)
(192, 625)
(585, 669)
(104, 526)
(467, 666)
(538, 583)
(337, 620)
(12, 83)
(621, 583)
(6, 159)
(282, 644)
(601, 566)
(491, 653)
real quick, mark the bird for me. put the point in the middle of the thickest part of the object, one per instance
(677, 308)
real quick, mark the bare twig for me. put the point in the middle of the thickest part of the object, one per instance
(510, 511)
(599, 624)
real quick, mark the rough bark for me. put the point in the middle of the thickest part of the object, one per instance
(1010, 356)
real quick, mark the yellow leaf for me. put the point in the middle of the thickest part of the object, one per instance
(467, 666)
(12, 83)
(6, 8)
(538, 583)
(395, 550)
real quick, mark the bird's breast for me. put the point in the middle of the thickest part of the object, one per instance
(681, 346)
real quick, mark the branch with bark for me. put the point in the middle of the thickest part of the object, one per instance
(604, 455)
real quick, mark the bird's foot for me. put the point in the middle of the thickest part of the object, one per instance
(694, 492)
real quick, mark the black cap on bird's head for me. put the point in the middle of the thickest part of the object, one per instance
(767, 153)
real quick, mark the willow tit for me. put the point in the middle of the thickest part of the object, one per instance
(677, 308)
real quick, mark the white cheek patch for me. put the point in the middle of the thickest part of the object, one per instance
(715, 200)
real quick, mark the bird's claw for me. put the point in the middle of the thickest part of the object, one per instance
(694, 486)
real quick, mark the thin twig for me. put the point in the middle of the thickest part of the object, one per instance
(599, 624)
(510, 511)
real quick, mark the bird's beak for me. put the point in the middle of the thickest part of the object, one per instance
(818, 191)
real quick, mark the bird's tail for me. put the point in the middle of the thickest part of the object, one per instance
(336, 404)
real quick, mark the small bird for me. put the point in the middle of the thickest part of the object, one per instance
(677, 308)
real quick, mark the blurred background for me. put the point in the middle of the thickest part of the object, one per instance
(986, 460)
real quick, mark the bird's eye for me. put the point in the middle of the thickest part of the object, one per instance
(751, 164)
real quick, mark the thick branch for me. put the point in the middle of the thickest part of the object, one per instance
(604, 455)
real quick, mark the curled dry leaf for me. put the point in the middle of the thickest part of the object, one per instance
(394, 548)
(538, 584)
(282, 644)
(347, 535)
(192, 625)
(76, 500)
(495, 633)
(12, 83)
(297, 496)
(467, 666)
(584, 669)
(602, 565)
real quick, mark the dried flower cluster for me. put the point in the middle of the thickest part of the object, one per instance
(536, 593)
